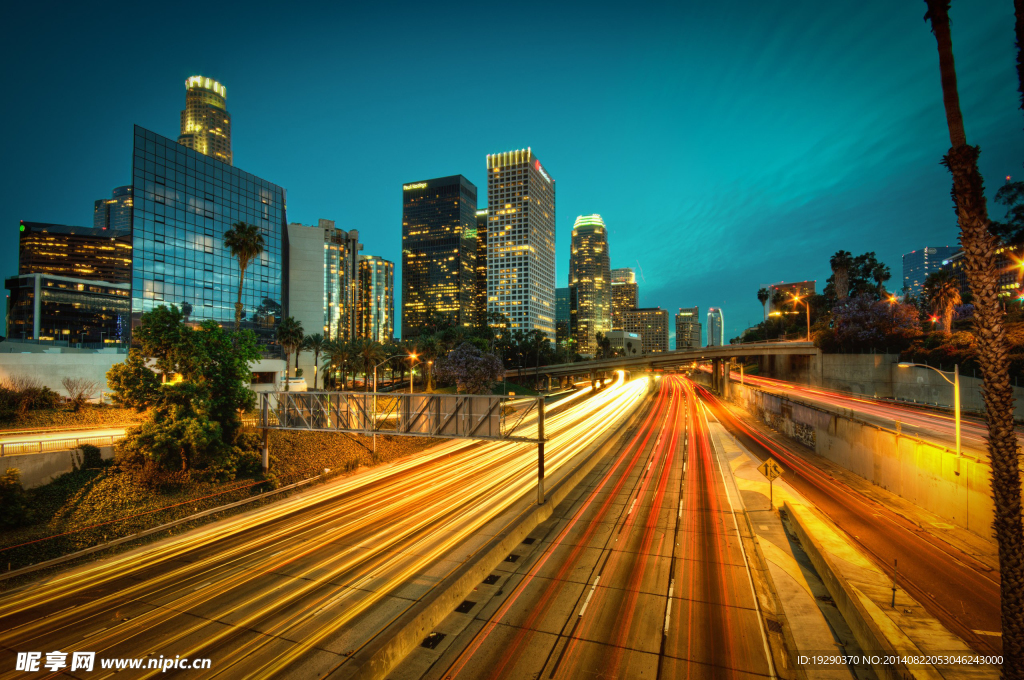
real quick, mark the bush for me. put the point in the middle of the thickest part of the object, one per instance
(14, 509)
(91, 456)
(80, 390)
(21, 394)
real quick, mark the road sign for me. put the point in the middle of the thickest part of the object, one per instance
(770, 469)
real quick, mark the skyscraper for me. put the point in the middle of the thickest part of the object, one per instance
(438, 253)
(590, 295)
(323, 279)
(87, 253)
(205, 121)
(625, 295)
(716, 327)
(688, 328)
(114, 215)
(376, 298)
(652, 325)
(918, 264)
(521, 241)
(561, 314)
(480, 299)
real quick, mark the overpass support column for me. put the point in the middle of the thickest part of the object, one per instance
(715, 368)
(727, 366)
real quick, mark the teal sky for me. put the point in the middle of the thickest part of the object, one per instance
(726, 145)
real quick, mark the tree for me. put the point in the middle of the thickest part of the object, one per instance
(290, 335)
(472, 371)
(316, 344)
(880, 273)
(943, 295)
(763, 296)
(841, 263)
(979, 246)
(370, 353)
(340, 355)
(1010, 195)
(245, 243)
(79, 390)
(193, 421)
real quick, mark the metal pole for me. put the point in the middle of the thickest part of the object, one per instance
(266, 433)
(373, 424)
(956, 404)
(808, 306)
(540, 451)
(894, 563)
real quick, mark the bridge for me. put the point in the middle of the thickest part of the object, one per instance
(718, 356)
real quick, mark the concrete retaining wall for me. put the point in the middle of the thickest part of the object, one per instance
(42, 468)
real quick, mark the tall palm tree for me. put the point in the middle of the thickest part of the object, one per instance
(245, 243)
(315, 343)
(979, 246)
(369, 353)
(880, 273)
(290, 335)
(943, 294)
(841, 263)
(763, 296)
(341, 355)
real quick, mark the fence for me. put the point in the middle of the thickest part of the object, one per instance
(43, 445)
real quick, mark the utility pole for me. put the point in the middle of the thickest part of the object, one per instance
(540, 450)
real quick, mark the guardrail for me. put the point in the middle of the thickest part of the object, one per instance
(44, 445)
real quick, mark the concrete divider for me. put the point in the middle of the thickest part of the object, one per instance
(378, 658)
(37, 469)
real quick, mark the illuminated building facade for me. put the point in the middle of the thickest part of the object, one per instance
(480, 294)
(652, 325)
(376, 310)
(66, 310)
(562, 314)
(1009, 268)
(625, 295)
(184, 203)
(439, 246)
(688, 328)
(323, 279)
(590, 283)
(114, 215)
(624, 343)
(716, 327)
(78, 252)
(521, 241)
(918, 264)
(787, 291)
(205, 121)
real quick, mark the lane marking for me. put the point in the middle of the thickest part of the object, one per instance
(668, 605)
(589, 595)
(631, 507)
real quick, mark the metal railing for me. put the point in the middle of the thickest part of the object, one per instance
(44, 445)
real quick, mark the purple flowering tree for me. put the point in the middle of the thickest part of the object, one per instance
(861, 323)
(472, 371)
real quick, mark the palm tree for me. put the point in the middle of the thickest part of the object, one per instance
(315, 343)
(943, 294)
(340, 354)
(245, 243)
(369, 353)
(841, 263)
(428, 349)
(979, 246)
(880, 273)
(763, 296)
(290, 335)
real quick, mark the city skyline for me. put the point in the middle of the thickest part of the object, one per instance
(848, 191)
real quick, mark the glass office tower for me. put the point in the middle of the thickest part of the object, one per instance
(562, 314)
(79, 252)
(114, 214)
(688, 328)
(716, 327)
(376, 298)
(625, 295)
(590, 283)
(481, 267)
(184, 202)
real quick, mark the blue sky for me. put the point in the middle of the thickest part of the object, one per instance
(726, 145)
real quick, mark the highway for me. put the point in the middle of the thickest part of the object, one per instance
(643, 576)
(955, 587)
(295, 588)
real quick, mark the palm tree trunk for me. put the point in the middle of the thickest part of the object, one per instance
(287, 357)
(238, 305)
(316, 369)
(993, 357)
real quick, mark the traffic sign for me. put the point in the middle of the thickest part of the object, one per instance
(770, 469)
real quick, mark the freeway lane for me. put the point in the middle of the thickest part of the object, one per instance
(293, 591)
(643, 576)
(955, 587)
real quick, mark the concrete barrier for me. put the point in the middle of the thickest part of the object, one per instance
(37, 469)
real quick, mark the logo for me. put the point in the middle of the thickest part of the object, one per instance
(418, 185)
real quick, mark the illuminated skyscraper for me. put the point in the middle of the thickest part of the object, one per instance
(205, 122)
(438, 253)
(521, 241)
(688, 328)
(625, 295)
(652, 325)
(79, 252)
(376, 298)
(716, 327)
(480, 300)
(114, 215)
(562, 314)
(590, 283)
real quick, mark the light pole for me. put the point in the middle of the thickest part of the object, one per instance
(373, 424)
(807, 304)
(955, 382)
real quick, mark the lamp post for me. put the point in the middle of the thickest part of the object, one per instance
(807, 304)
(373, 424)
(955, 382)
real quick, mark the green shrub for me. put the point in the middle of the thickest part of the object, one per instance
(14, 507)
(91, 456)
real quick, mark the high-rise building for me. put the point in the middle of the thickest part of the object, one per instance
(375, 313)
(66, 310)
(786, 291)
(918, 264)
(652, 325)
(688, 328)
(480, 299)
(590, 295)
(1008, 267)
(184, 203)
(716, 327)
(562, 314)
(114, 215)
(89, 253)
(521, 241)
(323, 279)
(625, 295)
(438, 253)
(205, 121)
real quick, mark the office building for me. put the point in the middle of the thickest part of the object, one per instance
(918, 264)
(184, 203)
(716, 328)
(46, 308)
(205, 121)
(1010, 283)
(480, 295)
(590, 295)
(651, 323)
(114, 215)
(625, 343)
(625, 295)
(88, 253)
(562, 315)
(786, 291)
(688, 328)
(521, 241)
(438, 253)
(376, 309)
(323, 279)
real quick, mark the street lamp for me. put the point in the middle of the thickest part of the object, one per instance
(373, 424)
(796, 299)
(955, 382)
